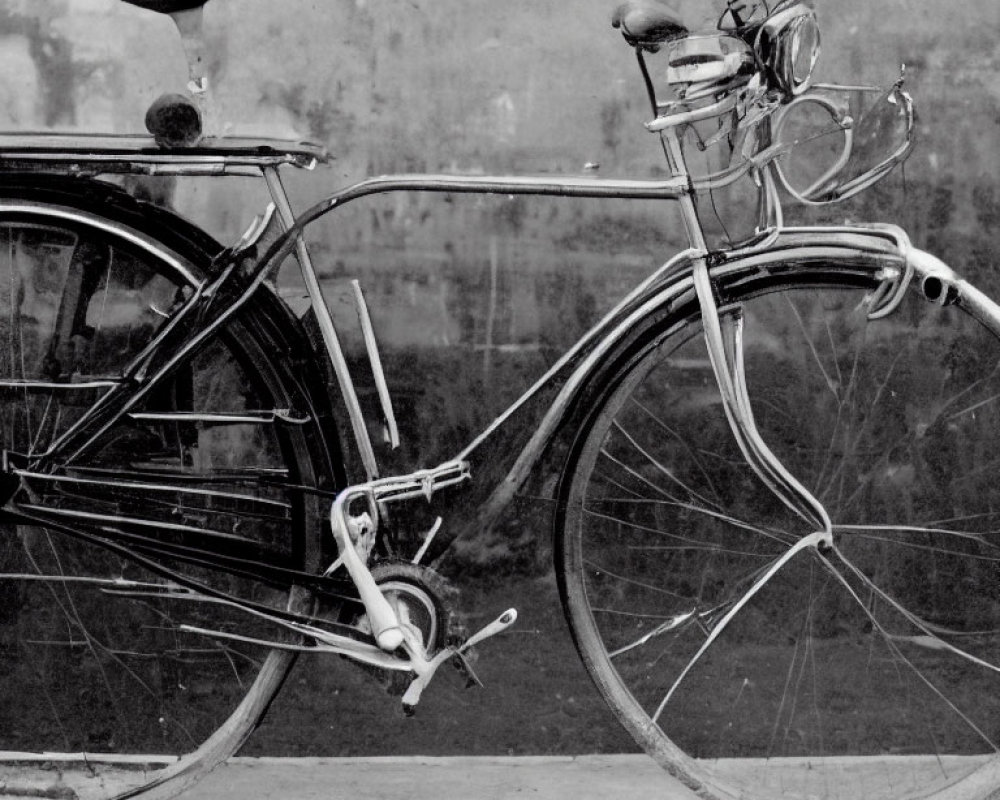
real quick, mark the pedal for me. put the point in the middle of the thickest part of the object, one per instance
(425, 671)
(464, 666)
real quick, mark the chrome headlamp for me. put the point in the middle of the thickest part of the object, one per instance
(788, 46)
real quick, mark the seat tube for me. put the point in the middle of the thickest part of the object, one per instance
(325, 321)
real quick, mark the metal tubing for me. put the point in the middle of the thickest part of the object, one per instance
(868, 247)
(293, 236)
(689, 210)
(671, 189)
(542, 186)
(371, 345)
(381, 616)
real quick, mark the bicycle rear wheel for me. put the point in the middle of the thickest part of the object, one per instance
(869, 671)
(106, 689)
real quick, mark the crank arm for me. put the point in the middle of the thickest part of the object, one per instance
(425, 669)
(328, 644)
(385, 626)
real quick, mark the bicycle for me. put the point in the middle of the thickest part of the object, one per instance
(171, 460)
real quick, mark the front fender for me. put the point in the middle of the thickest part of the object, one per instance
(875, 254)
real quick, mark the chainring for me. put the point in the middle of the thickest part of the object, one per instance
(424, 601)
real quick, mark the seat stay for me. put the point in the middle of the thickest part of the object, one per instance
(150, 552)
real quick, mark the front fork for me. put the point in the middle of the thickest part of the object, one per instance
(724, 339)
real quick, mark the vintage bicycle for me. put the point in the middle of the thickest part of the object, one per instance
(776, 530)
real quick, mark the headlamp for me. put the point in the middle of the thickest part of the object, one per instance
(788, 46)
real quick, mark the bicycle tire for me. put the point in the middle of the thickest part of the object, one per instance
(105, 695)
(821, 685)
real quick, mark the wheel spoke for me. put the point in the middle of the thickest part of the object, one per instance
(719, 628)
(751, 667)
(891, 641)
(210, 476)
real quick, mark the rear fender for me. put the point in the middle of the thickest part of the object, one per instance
(192, 252)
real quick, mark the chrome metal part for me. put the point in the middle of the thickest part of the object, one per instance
(674, 151)
(371, 345)
(410, 656)
(293, 235)
(101, 154)
(725, 351)
(842, 123)
(424, 602)
(425, 669)
(838, 183)
(424, 483)
(675, 114)
(209, 419)
(541, 185)
(706, 63)
(788, 44)
(889, 295)
(873, 246)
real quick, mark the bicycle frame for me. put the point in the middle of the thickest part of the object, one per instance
(686, 278)
(194, 494)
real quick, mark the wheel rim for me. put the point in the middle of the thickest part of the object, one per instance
(664, 528)
(94, 656)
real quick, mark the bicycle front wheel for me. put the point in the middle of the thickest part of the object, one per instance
(871, 670)
(117, 680)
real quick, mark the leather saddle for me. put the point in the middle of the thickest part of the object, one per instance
(648, 23)
(167, 6)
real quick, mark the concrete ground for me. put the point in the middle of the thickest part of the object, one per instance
(518, 778)
(427, 778)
